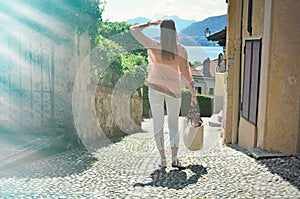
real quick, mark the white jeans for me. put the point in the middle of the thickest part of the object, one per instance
(156, 100)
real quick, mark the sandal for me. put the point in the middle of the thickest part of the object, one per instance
(177, 164)
(161, 165)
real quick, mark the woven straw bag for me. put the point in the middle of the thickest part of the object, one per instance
(193, 130)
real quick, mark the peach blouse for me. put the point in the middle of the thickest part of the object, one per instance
(164, 75)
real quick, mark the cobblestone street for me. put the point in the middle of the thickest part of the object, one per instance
(129, 169)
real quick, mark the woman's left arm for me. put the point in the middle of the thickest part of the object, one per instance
(136, 31)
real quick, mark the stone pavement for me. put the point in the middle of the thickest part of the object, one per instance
(20, 148)
(129, 169)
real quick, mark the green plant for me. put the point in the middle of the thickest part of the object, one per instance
(205, 103)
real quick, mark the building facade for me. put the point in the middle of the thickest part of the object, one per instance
(204, 76)
(261, 103)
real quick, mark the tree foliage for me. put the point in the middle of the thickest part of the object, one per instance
(195, 63)
(82, 15)
(109, 29)
(111, 62)
(119, 57)
(104, 69)
(119, 32)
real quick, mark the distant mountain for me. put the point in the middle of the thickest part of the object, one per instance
(191, 33)
(196, 30)
(137, 20)
(180, 23)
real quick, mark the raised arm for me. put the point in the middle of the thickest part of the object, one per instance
(136, 31)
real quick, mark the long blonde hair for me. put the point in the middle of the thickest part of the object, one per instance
(168, 39)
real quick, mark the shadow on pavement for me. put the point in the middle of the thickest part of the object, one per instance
(288, 168)
(175, 179)
(63, 164)
(37, 155)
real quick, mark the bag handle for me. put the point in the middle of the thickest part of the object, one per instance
(193, 116)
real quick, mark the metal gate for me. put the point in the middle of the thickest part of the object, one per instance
(26, 82)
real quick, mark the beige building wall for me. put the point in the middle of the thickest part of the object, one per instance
(277, 24)
(220, 86)
(280, 130)
(205, 83)
(220, 89)
(247, 135)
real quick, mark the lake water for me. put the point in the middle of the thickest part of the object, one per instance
(200, 53)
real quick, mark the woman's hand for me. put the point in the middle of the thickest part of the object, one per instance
(156, 23)
(144, 25)
(194, 100)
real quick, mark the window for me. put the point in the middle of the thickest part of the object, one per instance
(249, 24)
(199, 90)
(211, 91)
(251, 80)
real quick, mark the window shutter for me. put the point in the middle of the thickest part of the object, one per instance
(255, 73)
(251, 80)
(247, 78)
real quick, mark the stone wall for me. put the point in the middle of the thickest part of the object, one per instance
(118, 112)
(68, 58)
(36, 90)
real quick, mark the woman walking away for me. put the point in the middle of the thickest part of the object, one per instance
(168, 61)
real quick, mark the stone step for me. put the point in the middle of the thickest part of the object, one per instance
(261, 154)
(214, 122)
(220, 117)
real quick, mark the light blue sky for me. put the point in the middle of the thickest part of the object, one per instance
(120, 10)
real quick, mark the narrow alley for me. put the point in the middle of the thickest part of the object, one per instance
(129, 169)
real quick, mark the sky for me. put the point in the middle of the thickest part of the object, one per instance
(122, 10)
